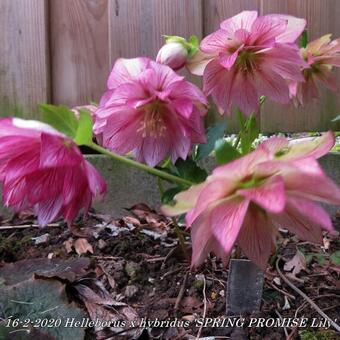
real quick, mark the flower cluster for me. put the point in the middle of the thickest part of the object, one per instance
(153, 114)
(150, 111)
(43, 170)
(246, 200)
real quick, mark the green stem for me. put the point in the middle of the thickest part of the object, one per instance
(180, 236)
(160, 186)
(140, 166)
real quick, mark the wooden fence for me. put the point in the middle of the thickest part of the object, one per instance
(61, 51)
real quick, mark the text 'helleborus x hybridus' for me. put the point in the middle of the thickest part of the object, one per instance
(150, 111)
(246, 200)
(248, 57)
(43, 170)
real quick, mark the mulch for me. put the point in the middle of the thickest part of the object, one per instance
(138, 271)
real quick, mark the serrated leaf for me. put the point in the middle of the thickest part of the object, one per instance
(189, 170)
(84, 131)
(214, 133)
(225, 152)
(335, 258)
(61, 118)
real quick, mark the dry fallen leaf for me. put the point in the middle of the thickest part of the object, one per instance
(82, 246)
(68, 245)
(296, 264)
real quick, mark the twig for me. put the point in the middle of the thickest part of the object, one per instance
(309, 300)
(281, 290)
(204, 308)
(171, 272)
(181, 291)
(280, 317)
(24, 226)
(167, 257)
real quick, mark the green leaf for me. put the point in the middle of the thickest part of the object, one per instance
(40, 299)
(84, 131)
(193, 44)
(168, 195)
(214, 133)
(189, 170)
(61, 118)
(304, 39)
(225, 152)
(335, 258)
(249, 132)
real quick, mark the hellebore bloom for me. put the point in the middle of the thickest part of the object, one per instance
(250, 56)
(246, 200)
(173, 54)
(43, 170)
(321, 55)
(150, 111)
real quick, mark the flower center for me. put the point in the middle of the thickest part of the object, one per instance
(152, 124)
(247, 61)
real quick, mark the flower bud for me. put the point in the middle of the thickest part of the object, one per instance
(173, 54)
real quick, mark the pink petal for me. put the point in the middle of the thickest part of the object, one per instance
(265, 29)
(183, 106)
(96, 183)
(315, 147)
(272, 86)
(185, 201)
(269, 196)
(218, 225)
(227, 61)
(57, 151)
(47, 211)
(197, 64)
(215, 42)
(243, 20)
(304, 218)
(125, 70)
(313, 186)
(274, 144)
(244, 94)
(295, 26)
(241, 168)
(214, 190)
(257, 237)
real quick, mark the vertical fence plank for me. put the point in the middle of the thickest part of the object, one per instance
(322, 17)
(215, 11)
(24, 80)
(79, 50)
(137, 26)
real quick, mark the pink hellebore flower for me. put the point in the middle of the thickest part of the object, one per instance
(173, 54)
(150, 110)
(250, 56)
(246, 200)
(90, 108)
(321, 55)
(43, 169)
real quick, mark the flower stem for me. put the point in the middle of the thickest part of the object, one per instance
(180, 236)
(140, 166)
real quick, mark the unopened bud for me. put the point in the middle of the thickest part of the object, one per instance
(173, 54)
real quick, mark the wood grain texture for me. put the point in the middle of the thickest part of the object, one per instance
(80, 50)
(215, 11)
(137, 26)
(24, 80)
(322, 18)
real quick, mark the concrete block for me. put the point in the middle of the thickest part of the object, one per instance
(128, 186)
